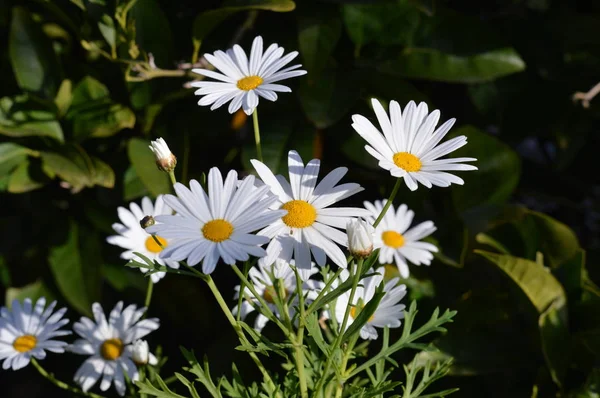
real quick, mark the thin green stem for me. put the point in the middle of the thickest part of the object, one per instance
(172, 177)
(241, 293)
(61, 384)
(149, 293)
(388, 203)
(257, 135)
(298, 346)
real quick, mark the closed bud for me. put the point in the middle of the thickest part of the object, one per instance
(165, 160)
(360, 238)
(141, 352)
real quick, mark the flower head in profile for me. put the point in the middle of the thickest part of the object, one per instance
(165, 160)
(141, 354)
(397, 241)
(389, 312)
(309, 226)
(110, 345)
(133, 238)
(242, 81)
(409, 148)
(262, 280)
(218, 225)
(26, 331)
(360, 237)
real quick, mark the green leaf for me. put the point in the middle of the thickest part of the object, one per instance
(121, 278)
(318, 34)
(539, 285)
(499, 168)
(365, 314)
(76, 269)
(152, 30)
(106, 25)
(21, 117)
(133, 187)
(13, 155)
(144, 164)
(33, 60)
(431, 64)
(33, 291)
(20, 180)
(554, 333)
(205, 22)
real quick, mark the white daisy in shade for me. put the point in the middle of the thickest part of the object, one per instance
(217, 225)
(26, 331)
(309, 225)
(264, 286)
(409, 148)
(398, 243)
(110, 345)
(388, 312)
(132, 237)
(243, 80)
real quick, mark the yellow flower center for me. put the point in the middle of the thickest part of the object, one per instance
(392, 239)
(407, 161)
(111, 349)
(217, 230)
(301, 214)
(249, 83)
(24, 343)
(270, 294)
(355, 311)
(154, 247)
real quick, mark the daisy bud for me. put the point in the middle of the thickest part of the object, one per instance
(141, 352)
(147, 221)
(360, 237)
(165, 160)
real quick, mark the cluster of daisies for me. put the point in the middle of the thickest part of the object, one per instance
(114, 346)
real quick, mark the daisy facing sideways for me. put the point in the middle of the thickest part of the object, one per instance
(409, 148)
(132, 237)
(26, 332)
(218, 225)
(110, 345)
(264, 286)
(388, 312)
(398, 243)
(243, 80)
(309, 226)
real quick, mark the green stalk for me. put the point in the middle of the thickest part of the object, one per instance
(298, 345)
(148, 294)
(257, 134)
(61, 384)
(388, 203)
(172, 177)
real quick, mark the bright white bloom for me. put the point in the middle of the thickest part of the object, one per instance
(110, 346)
(264, 286)
(242, 81)
(141, 354)
(26, 331)
(409, 146)
(388, 312)
(309, 226)
(165, 160)
(360, 237)
(217, 225)
(132, 237)
(399, 243)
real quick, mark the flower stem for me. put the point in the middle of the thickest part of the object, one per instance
(388, 203)
(148, 293)
(257, 135)
(172, 177)
(298, 346)
(61, 384)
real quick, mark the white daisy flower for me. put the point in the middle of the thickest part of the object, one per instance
(409, 146)
(217, 225)
(264, 286)
(398, 243)
(110, 345)
(388, 312)
(132, 237)
(309, 225)
(242, 81)
(26, 331)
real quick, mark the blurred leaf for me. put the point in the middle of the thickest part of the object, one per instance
(488, 240)
(133, 187)
(386, 23)
(430, 64)
(106, 25)
(275, 141)
(328, 98)
(120, 278)
(318, 34)
(144, 164)
(21, 116)
(33, 291)
(555, 339)
(74, 265)
(535, 280)
(87, 90)
(572, 273)
(11, 156)
(152, 30)
(64, 97)
(499, 168)
(5, 276)
(206, 21)
(33, 60)
(20, 180)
